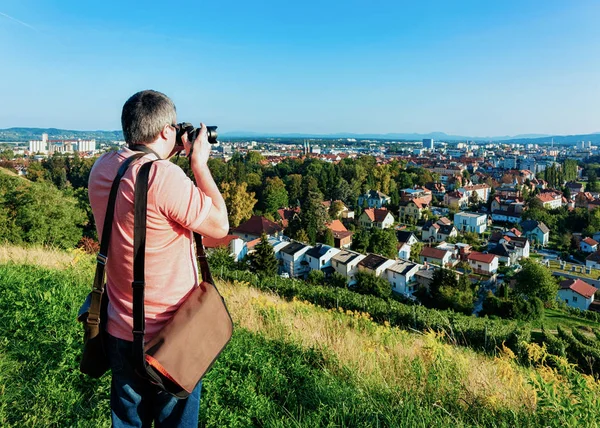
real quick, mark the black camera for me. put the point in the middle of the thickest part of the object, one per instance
(192, 134)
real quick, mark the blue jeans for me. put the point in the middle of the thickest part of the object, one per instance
(135, 402)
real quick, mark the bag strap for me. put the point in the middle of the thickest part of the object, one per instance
(139, 262)
(102, 257)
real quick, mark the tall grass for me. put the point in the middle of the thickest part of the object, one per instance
(289, 364)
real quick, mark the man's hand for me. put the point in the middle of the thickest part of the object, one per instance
(201, 151)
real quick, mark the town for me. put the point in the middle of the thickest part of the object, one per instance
(480, 210)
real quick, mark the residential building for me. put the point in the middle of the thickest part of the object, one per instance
(412, 210)
(255, 227)
(537, 232)
(470, 222)
(345, 263)
(456, 200)
(405, 242)
(550, 200)
(436, 256)
(593, 260)
(401, 274)
(374, 217)
(481, 190)
(293, 259)
(374, 199)
(576, 293)
(438, 231)
(375, 264)
(486, 264)
(236, 246)
(588, 245)
(319, 257)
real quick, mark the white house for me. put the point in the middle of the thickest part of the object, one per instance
(374, 199)
(375, 264)
(401, 275)
(470, 222)
(294, 260)
(576, 293)
(345, 263)
(236, 246)
(588, 245)
(405, 242)
(319, 257)
(436, 256)
(593, 260)
(375, 217)
(486, 264)
(482, 191)
(438, 231)
(550, 200)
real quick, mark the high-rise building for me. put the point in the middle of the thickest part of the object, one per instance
(428, 143)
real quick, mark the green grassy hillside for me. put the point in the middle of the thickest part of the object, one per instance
(290, 363)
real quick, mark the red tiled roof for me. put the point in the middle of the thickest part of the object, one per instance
(579, 287)
(257, 225)
(376, 214)
(590, 242)
(516, 232)
(480, 257)
(432, 252)
(337, 226)
(547, 197)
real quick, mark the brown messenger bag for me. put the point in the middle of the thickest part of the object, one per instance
(179, 356)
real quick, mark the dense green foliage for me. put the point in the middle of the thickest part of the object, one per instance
(262, 260)
(368, 283)
(39, 213)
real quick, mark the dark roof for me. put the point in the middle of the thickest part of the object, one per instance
(292, 248)
(374, 194)
(257, 225)
(318, 251)
(530, 225)
(403, 236)
(594, 257)
(372, 261)
(500, 250)
(446, 229)
(338, 234)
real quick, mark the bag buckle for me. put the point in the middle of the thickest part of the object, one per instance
(101, 258)
(138, 284)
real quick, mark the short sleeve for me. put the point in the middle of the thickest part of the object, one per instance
(179, 199)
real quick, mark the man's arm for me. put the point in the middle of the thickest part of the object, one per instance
(216, 224)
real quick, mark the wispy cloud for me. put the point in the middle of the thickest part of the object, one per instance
(19, 21)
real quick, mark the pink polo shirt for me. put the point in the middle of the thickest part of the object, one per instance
(176, 207)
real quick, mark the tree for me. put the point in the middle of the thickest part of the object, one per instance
(360, 240)
(415, 251)
(293, 184)
(314, 214)
(326, 237)
(342, 190)
(384, 242)
(368, 283)
(239, 202)
(220, 258)
(535, 280)
(337, 280)
(302, 236)
(274, 195)
(262, 260)
(316, 277)
(335, 209)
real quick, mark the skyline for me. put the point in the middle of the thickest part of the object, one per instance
(468, 69)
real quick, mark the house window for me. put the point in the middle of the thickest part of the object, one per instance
(322, 262)
(574, 298)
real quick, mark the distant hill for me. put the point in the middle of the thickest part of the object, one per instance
(26, 134)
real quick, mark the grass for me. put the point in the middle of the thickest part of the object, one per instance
(555, 265)
(554, 317)
(289, 363)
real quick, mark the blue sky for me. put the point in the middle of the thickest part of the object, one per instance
(477, 68)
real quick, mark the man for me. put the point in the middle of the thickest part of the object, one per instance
(176, 207)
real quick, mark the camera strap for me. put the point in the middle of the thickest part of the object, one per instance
(145, 149)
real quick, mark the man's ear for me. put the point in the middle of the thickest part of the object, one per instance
(164, 133)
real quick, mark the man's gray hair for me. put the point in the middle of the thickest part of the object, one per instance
(144, 116)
